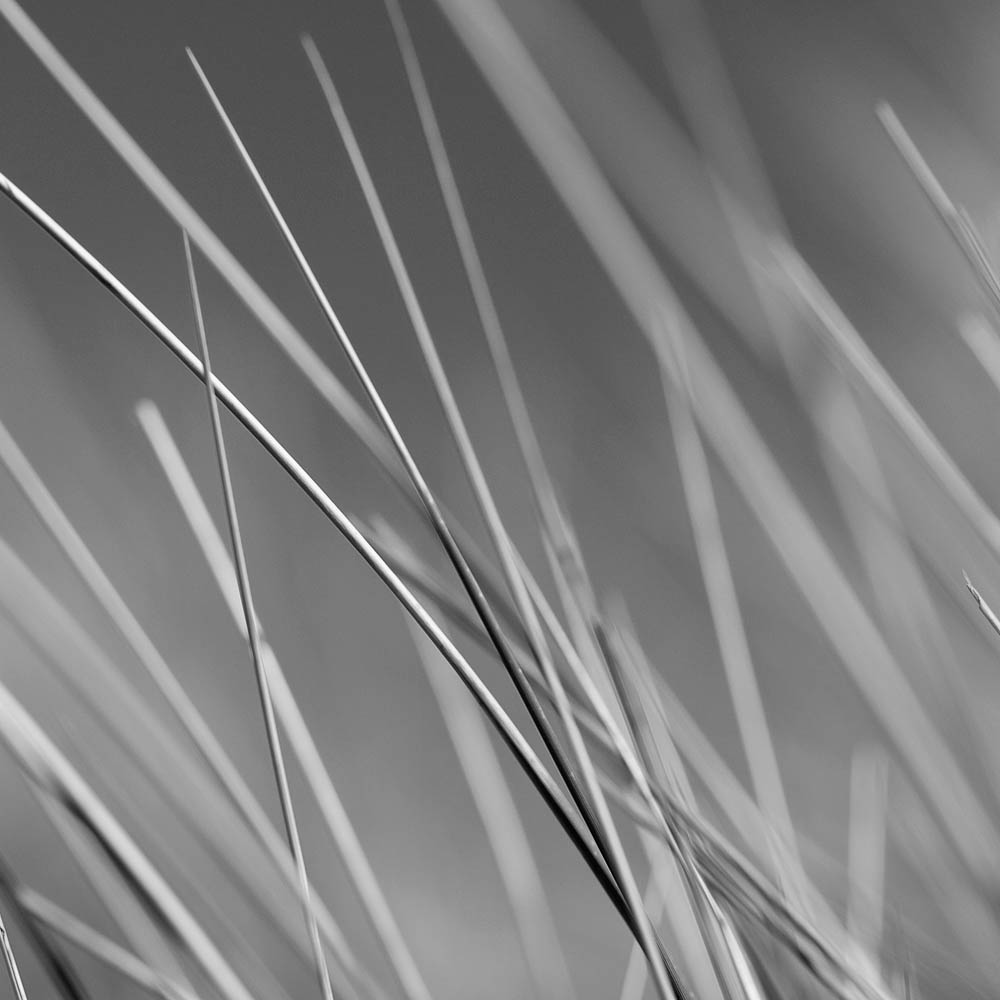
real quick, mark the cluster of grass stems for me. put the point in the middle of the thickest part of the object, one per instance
(708, 917)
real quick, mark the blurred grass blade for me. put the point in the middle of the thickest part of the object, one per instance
(638, 278)
(310, 760)
(13, 972)
(734, 647)
(956, 219)
(866, 861)
(137, 927)
(508, 839)
(185, 216)
(511, 735)
(589, 799)
(116, 706)
(138, 640)
(988, 613)
(53, 961)
(254, 635)
(74, 931)
(543, 489)
(53, 775)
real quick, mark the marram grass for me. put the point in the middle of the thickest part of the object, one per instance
(704, 910)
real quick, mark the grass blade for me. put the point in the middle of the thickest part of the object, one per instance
(508, 839)
(200, 732)
(13, 972)
(317, 777)
(509, 732)
(253, 631)
(866, 850)
(637, 276)
(80, 934)
(589, 799)
(53, 775)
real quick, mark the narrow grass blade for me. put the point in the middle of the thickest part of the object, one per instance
(642, 286)
(793, 932)
(138, 928)
(988, 613)
(55, 964)
(103, 690)
(865, 371)
(187, 218)
(956, 219)
(310, 760)
(253, 631)
(741, 676)
(866, 850)
(970, 913)
(146, 652)
(590, 802)
(512, 737)
(53, 775)
(543, 489)
(695, 64)
(13, 972)
(618, 869)
(299, 352)
(508, 839)
(90, 941)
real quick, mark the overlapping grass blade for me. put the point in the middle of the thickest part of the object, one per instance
(309, 758)
(253, 633)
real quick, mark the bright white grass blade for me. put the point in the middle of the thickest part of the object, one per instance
(741, 676)
(498, 813)
(137, 927)
(254, 635)
(13, 972)
(309, 758)
(173, 202)
(604, 829)
(638, 278)
(865, 371)
(138, 640)
(90, 941)
(866, 850)
(52, 774)
(526, 756)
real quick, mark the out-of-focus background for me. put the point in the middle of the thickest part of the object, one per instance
(73, 365)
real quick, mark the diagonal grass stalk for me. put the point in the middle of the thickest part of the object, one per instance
(253, 632)
(307, 753)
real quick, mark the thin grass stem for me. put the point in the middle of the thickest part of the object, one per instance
(309, 758)
(590, 802)
(511, 735)
(254, 633)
